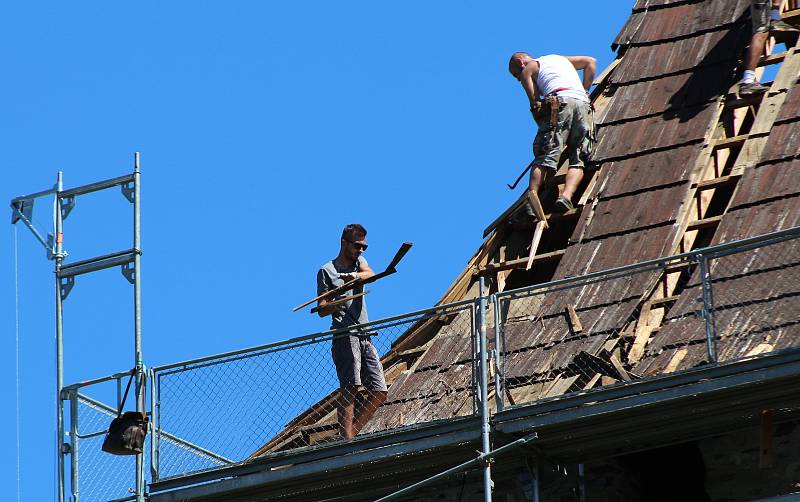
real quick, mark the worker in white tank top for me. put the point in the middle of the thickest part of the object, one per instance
(563, 122)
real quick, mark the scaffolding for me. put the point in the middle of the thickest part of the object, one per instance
(65, 276)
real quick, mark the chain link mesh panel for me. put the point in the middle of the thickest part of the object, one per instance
(237, 407)
(101, 476)
(756, 300)
(578, 336)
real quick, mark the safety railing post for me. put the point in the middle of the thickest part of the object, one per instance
(708, 308)
(59, 260)
(499, 382)
(137, 320)
(73, 442)
(152, 426)
(483, 358)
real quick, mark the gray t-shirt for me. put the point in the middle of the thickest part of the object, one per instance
(355, 311)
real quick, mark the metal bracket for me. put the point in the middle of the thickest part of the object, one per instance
(67, 204)
(128, 191)
(65, 285)
(22, 208)
(129, 271)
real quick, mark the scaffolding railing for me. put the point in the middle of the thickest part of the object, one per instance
(283, 396)
(711, 306)
(706, 307)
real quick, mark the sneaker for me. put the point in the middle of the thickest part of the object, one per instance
(563, 205)
(752, 88)
(782, 26)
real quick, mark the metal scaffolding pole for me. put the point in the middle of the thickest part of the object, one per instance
(137, 319)
(484, 391)
(59, 259)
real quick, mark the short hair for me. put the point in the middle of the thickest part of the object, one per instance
(353, 231)
(512, 62)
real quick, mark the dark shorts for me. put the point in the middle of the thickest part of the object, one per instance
(357, 362)
(575, 132)
(759, 15)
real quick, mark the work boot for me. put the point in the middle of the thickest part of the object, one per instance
(752, 88)
(783, 27)
(563, 205)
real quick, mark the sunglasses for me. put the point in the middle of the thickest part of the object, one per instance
(358, 245)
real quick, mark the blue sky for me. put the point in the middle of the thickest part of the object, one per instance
(264, 127)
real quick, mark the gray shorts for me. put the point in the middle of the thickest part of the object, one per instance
(759, 15)
(357, 362)
(575, 131)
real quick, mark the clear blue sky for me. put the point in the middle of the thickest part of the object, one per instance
(264, 127)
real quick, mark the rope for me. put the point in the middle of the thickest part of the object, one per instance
(17, 358)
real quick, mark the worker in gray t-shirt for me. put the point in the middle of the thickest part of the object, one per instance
(357, 361)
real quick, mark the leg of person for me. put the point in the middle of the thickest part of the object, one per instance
(573, 179)
(760, 17)
(375, 383)
(579, 147)
(547, 148)
(346, 357)
(345, 411)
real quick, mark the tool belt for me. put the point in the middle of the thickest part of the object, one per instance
(546, 108)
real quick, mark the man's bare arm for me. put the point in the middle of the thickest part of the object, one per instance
(364, 272)
(528, 80)
(322, 310)
(589, 66)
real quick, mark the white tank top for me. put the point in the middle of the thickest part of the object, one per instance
(556, 72)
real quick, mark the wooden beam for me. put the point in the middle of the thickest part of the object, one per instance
(401, 252)
(491, 268)
(723, 143)
(574, 320)
(340, 301)
(536, 205)
(537, 236)
(620, 369)
(704, 223)
(717, 182)
(680, 354)
(639, 343)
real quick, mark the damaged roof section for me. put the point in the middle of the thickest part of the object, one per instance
(671, 176)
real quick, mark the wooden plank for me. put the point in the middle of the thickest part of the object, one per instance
(639, 343)
(723, 143)
(561, 385)
(592, 381)
(711, 221)
(491, 268)
(620, 369)
(537, 236)
(340, 301)
(661, 301)
(574, 320)
(676, 360)
(717, 182)
(401, 252)
(536, 205)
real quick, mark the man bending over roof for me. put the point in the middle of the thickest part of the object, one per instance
(765, 21)
(356, 359)
(553, 81)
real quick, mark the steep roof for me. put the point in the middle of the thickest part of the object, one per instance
(682, 162)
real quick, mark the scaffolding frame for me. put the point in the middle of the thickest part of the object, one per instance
(129, 262)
